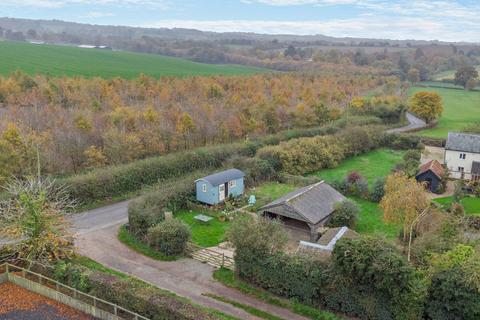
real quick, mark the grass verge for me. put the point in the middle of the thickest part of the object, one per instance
(253, 311)
(227, 277)
(204, 234)
(136, 245)
(93, 265)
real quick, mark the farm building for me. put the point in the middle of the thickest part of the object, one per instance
(462, 155)
(215, 188)
(309, 207)
(432, 174)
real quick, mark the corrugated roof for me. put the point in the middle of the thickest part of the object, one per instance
(466, 142)
(315, 202)
(434, 166)
(219, 178)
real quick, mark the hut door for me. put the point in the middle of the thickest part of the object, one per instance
(221, 192)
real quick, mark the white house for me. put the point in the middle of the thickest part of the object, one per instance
(462, 155)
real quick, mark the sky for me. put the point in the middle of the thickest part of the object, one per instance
(446, 20)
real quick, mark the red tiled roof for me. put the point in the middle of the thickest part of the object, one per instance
(434, 166)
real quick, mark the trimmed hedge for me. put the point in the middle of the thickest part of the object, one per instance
(169, 237)
(104, 183)
(149, 210)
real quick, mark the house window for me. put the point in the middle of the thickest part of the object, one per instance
(204, 187)
(461, 169)
(232, 183)
(463, 156)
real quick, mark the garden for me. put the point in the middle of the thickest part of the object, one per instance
(470, 204)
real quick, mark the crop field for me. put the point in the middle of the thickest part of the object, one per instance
(461, 109)
(372, 165)
(71, 61)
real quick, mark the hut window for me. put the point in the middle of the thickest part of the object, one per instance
(232, 184)
(463, 156)
(204, 187)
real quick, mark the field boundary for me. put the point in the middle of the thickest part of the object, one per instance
(64, 294)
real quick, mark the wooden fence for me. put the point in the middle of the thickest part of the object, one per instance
(210, 256)
(39, 282)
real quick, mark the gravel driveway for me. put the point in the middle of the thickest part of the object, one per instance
(97, 239)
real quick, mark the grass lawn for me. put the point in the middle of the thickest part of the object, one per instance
(461, 109)
(370, 220)
(371, 165)
(471, 204)
(72, 61)
(205, 234)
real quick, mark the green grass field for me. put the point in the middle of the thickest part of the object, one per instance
(71, 61)
(461, 109)
(205, 234)
(449, 74)
(470, 204)
(370, 220)
(374, 164)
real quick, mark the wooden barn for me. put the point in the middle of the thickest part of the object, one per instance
(309, 207)
(431, 173)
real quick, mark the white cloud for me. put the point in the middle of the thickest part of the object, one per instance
(96, 15)
(363, 27)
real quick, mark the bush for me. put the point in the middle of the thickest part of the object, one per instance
(169, 237)
(356, 185)
(345, 214)
(378, 190)
(401, 141)
(451, 297)
(148, 210)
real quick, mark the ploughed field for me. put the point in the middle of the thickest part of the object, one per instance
(57, 60)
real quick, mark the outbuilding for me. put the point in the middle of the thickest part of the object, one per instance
(217, 187)
(431, 173)
(309, 207)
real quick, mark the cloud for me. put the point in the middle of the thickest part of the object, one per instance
(64, 3)
(387, 27)
(96, 15)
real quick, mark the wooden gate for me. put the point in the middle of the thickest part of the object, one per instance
(210, 256)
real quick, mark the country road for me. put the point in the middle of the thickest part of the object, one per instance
(96, 237)
(415, 123)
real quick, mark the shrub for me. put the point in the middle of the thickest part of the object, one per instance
(374, 268)
(148, 210)
(356, 185)
(378, 190)
(451, 297)
(401, 141)
(170, 237)
(345, 214)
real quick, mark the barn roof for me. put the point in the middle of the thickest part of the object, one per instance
(219, 178)
(466, 142)
(310, 204)
(434, 166)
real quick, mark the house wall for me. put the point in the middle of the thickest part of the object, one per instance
(453, 161)
(208, 197)
(238, 189)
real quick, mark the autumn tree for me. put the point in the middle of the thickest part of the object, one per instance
(404, 201)
(464, 75)
(426, 105)
(33, 216)
(413, 75)
(186, 126)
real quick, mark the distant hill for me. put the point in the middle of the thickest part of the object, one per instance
(71, 61)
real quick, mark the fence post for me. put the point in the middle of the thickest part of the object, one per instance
(115, 312)
(7, 269)
(223, 260)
